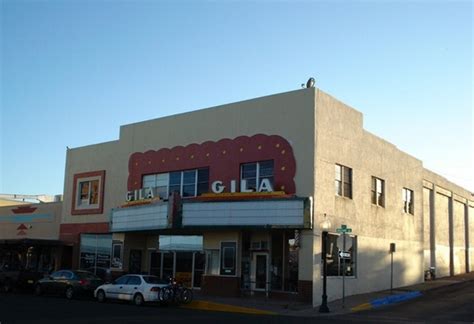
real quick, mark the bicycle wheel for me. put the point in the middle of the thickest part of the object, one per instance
(186, 296)
(165, 294)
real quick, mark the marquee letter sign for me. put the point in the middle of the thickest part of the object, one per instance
(224, 159)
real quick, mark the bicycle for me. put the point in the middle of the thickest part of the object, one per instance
(175, 293)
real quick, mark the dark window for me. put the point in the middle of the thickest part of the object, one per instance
(343, 181)
(56, 275)
(175, 182)
(254, 173)
(378, 192)
(96, 251)
(228, 257)
(336, 263)
(122, 280)
(408, 201)
(117, 248)
(188, 183)
(203, 181)
(154, 280)
(134, 280)
(155, 264)
(168, 259)
(86, 275)
(67, 275)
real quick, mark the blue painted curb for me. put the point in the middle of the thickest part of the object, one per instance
(394, 299)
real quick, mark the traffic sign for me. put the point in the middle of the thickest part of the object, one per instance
(340, 243)
(344, 229)
(344, 255)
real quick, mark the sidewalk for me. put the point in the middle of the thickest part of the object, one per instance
(292, 307)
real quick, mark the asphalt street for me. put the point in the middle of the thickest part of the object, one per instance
(49, 309)
(449, 304)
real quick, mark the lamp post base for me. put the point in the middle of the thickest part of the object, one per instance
(324, 305)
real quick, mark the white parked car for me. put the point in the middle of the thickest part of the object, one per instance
(138, 289)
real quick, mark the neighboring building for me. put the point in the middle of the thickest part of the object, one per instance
(232, 199)
(10, 202)
(29, 237)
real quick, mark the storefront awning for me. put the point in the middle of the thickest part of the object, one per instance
(36, 242)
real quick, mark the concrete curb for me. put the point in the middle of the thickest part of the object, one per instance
(216, 307)
(376, 303)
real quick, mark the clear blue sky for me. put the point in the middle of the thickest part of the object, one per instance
(73, 71)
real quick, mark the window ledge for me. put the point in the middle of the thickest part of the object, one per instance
(374, 205)
(344, 197)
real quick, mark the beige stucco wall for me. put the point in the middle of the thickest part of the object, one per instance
(341, 139)
(459, 239)
(442, 235)
(212, 240)
(449, 194)
(427, 192)
(471, 236)
(105, 156)
(42, 223)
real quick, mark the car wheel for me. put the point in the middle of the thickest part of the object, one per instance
(69, 293)
(101, 296)
(138, 299)
(38, 290)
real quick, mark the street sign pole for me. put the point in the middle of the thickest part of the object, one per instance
(343, 270)
(391, 273)
(343, 230)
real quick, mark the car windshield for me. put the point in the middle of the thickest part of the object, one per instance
(86, 275)
(153, 280)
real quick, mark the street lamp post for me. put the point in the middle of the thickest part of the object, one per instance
(325, 225)
(324, 303)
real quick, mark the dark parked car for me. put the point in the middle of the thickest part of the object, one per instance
(15, 277)
(102, 273)
(68, 283)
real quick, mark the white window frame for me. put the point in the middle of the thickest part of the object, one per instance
(80, 204)
(343, 181)
(374, 191)
(408, 204)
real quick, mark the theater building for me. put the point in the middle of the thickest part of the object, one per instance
(233, 199)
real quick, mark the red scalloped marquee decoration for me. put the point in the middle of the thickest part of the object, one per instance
(24, 210)
(223, 158)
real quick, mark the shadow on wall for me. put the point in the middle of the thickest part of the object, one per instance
(373, 269)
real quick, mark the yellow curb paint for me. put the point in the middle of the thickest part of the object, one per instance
(361, 307)
(209, 306)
